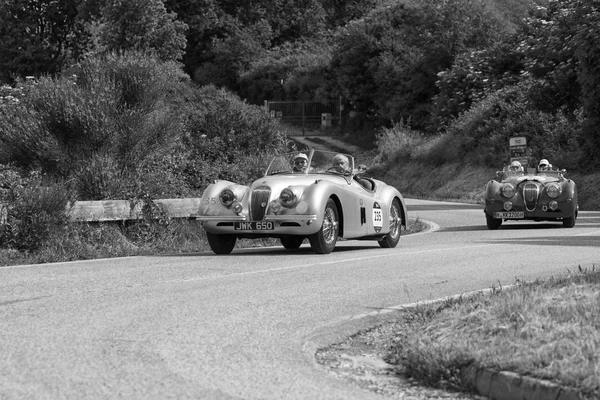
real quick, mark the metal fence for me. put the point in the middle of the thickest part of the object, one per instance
(308, 115)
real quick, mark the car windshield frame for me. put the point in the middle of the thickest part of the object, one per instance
(319, 162)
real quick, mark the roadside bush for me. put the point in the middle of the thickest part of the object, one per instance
(226, 138)
(485, 129)
(36, 209)
(399, 142)
(118, 108)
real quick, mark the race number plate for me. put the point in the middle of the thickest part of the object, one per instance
(253, 226)
(509, 214)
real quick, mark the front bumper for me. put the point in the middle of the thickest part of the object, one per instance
(282, 225)
(541, 213)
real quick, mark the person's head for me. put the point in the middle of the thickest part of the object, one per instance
(515, 166)
(341, 162)
(543, 165)
(300, 162)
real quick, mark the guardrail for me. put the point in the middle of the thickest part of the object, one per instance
(125, 210)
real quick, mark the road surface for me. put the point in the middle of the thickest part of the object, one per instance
(246, 325)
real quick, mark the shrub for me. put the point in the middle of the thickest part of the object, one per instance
(399, 142)
(226, 138)
(485, 129)
(36, 209)
(119, 113)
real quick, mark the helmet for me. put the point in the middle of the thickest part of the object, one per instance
(515, 166)
(543, 163)
(301, 155)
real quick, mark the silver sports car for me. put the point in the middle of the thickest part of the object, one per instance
(311, 194)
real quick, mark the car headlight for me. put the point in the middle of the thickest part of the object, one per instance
(553, 190)
(227, 197)
(288, 197)
(508, 190)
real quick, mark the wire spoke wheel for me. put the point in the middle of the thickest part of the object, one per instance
(323, 242)
(395, 224)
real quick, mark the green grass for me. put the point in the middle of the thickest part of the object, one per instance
(547, 329)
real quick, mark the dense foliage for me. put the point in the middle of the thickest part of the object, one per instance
(127, 126)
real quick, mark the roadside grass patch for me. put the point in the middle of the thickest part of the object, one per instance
(546, 329)
(88, 241)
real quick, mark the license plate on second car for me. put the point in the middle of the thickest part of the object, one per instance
(509, 214)
(253, 226)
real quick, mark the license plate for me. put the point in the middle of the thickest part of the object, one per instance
(253, 226)
(509, 214)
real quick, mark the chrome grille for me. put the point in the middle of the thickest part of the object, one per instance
(531, 192)
(258, 202)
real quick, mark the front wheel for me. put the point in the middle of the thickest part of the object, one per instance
(292, 242)
(393, 237)
(569, 222)
(221, 244)
(492, 223)
(323, 242)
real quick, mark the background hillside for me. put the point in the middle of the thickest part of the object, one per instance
(104, 99)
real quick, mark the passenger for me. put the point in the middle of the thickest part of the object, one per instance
(515, 166)
(544, 165)
(300, 163)
(341, 164)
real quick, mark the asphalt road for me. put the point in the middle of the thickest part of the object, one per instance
(246, 326)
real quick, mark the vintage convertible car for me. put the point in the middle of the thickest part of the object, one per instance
(531, 195)
(312, 199)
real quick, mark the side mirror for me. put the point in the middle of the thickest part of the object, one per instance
(563, 171)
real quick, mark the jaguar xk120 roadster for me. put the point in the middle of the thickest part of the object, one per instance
(314, 195)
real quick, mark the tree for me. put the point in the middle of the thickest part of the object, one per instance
(204, 19)
(387, 63)
(40, 37)
(588, 54)
(142, 25)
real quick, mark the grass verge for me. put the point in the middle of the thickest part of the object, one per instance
(87, 241)
(547, 329)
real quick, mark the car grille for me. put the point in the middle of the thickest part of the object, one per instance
(259, 202)
(531, 192)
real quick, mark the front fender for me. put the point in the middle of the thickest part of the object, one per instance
(210, 205)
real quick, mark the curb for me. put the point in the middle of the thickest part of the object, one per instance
(492, 384)
(505, 385)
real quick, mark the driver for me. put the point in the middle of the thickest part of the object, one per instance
(515, 166)
(341, 163)
(300, 163)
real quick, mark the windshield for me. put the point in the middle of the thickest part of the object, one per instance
(312, 162)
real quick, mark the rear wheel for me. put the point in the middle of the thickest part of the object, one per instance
(323, 242)
(393, 237)
(569, 222)
(492, 223)
(292, 242)
(221, 244)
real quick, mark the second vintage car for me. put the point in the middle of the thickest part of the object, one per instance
(311, 194)
(518, 194)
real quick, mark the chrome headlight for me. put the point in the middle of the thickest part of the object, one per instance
(553, 190)
(288, 197)
(508, 190)
(227, 197)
